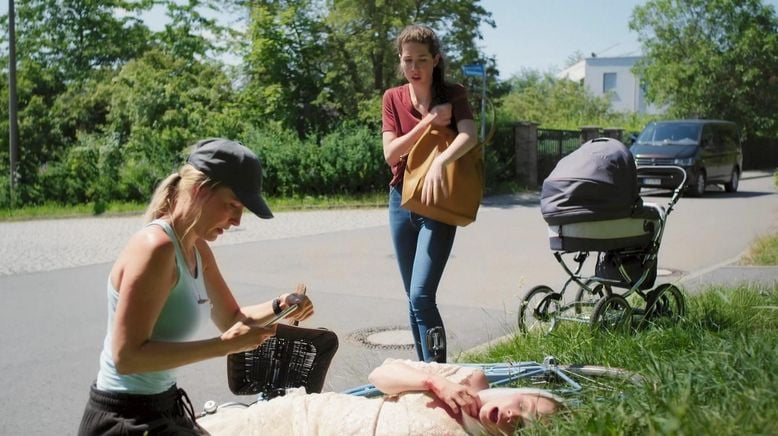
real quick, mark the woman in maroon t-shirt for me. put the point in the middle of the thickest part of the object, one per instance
(422, 245)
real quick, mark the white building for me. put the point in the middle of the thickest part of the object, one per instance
(602, 75)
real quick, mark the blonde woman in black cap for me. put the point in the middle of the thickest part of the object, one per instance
(165, 282)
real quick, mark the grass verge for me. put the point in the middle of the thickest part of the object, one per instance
(52, 210)
(716, 370)
(764, 251)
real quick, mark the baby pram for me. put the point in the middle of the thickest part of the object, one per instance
(591, 203)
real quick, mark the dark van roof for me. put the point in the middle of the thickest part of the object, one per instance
(693, 121)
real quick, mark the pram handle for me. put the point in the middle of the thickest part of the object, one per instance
(678, 189)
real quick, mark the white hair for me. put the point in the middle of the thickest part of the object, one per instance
(473, 426)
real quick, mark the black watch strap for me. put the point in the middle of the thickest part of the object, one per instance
(276, 306)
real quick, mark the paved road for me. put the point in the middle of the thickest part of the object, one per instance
(53, 273)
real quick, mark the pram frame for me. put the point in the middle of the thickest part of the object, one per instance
(597, 292)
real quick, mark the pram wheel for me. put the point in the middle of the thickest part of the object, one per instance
(589, 297)
(611, 313)
(663, 304)
(538, 309)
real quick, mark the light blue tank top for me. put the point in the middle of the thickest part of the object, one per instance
(184, 309)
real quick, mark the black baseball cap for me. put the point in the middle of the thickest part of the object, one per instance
(234, 165)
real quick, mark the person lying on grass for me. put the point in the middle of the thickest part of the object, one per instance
(420, 399)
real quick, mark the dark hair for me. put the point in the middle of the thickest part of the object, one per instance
(425, 35)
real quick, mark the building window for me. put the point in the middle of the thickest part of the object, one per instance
(608, 82)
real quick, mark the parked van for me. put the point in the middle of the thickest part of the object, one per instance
(709, 151)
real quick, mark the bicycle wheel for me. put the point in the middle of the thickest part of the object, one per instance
(538, 309)
(586, 299)
(665, 304)
(611, 313)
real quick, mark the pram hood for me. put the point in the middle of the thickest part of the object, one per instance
(596, 182)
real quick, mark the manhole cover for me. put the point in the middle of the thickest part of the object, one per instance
(393, 338)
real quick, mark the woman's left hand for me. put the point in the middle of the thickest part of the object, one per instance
(435, 187)
(459, 398)
(304, 305)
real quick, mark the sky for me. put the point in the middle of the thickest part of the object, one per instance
(542, 35)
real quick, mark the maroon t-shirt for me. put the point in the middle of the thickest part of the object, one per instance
(399, 116)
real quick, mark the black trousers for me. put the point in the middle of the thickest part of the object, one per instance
(114, 413)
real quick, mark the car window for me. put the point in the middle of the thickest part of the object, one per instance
(727, 136)
(647, 135)
(671, 134)
(707, 136)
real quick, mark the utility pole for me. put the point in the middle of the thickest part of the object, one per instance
(13, 126)
(483, 107)
(478, 70)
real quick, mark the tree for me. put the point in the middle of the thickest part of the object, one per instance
(184, 36)
(315, 63)
(63, 47)
(711, 59)
(72, 37)
(159, 105)
(285, 63)
(553, 103)
(370, 27)
(81, 69)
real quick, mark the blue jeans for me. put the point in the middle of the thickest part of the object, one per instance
(422, 246)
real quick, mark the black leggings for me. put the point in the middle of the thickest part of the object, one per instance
(115, 413)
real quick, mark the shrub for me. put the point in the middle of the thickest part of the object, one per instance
(349, 160)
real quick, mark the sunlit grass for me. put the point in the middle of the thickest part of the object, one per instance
(764, 251)
(53, 210)
(378, 199)
(277, 204)
(716, 369)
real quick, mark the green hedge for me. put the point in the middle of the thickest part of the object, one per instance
(100, 169)
(347, 161)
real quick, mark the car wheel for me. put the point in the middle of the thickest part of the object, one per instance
(698, 188)
(734, 180)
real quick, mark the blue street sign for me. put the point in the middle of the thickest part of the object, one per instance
(476, 70)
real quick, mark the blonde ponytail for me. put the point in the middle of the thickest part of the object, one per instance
(174, 187)
(164, 196)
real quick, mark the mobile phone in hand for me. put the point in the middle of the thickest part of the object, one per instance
(284, 313)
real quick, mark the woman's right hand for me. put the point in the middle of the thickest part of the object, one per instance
(246, 337)
(442, 114)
